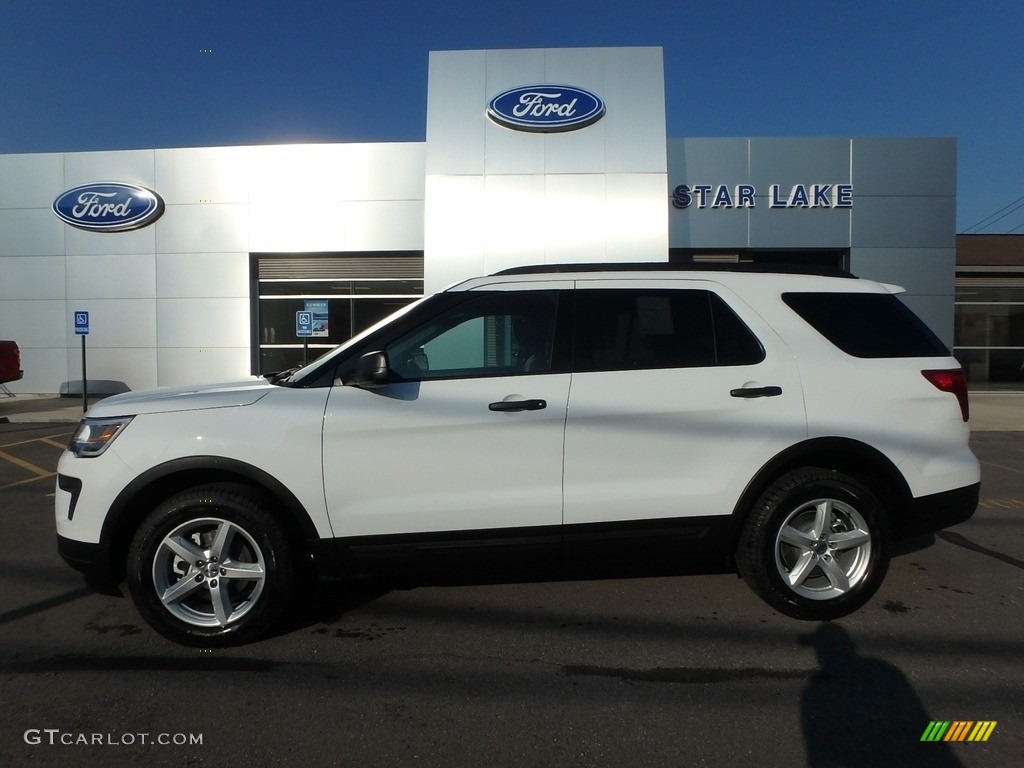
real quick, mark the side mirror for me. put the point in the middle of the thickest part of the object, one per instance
(371, 370)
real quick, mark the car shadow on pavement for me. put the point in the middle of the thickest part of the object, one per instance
(44, 605)
(326, 602)
(859, 711)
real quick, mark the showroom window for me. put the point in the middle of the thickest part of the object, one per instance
(345, 293)
(989, 332)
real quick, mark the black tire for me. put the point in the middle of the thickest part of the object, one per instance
(815, 546)
(210, 567)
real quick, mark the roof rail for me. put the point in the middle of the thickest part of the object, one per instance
(667, 266)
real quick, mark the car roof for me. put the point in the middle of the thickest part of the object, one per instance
(753, 277)
(667, 266)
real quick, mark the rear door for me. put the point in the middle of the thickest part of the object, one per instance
(679, 395)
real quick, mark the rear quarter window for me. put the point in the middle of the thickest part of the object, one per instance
(867, 324)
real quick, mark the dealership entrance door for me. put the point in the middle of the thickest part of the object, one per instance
(344, 292)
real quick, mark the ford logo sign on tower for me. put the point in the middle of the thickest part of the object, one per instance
(109, 206)
(545, 108)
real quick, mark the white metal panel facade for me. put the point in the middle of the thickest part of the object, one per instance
(543, 197)
(170, 303)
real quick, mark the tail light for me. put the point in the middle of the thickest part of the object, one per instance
(954, 381)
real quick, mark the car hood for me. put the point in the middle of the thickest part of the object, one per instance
(171, 399)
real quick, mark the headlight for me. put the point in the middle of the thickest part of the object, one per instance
(94, 435)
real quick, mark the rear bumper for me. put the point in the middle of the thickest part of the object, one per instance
(939, 510)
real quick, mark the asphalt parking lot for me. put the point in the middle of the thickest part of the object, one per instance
(669, 671)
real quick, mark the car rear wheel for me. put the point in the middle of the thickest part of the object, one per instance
(816, 545)
(210, 566)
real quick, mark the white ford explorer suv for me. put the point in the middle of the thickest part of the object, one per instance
(786, 426)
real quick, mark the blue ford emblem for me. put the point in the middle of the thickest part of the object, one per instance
(545, 108)
(109, 206)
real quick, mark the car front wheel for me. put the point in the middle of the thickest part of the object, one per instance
(210, 566)
(816, 545)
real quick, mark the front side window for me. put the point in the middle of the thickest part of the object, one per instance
(644, 329)
(495, 334)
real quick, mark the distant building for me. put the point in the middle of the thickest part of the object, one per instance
(989, 331)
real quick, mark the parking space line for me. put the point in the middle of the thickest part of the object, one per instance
(28, 480)
(26, 465)
(1001, 504)
(1003, 466)
(48, 439)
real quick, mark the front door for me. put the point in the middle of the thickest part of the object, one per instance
(465, 444)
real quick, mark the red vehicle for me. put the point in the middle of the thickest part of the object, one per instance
(10, 363)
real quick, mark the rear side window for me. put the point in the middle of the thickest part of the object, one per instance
(867, 324)
(637, 329)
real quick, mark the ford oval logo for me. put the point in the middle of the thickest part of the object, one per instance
(109, 207)
(545, 108)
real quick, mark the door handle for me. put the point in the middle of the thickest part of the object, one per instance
(511, 406)
(756, 392)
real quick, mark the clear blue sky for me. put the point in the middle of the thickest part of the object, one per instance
(110, 74)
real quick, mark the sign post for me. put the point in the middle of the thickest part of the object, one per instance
(304, 329)
(82, 329)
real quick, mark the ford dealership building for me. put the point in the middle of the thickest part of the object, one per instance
(200, 264)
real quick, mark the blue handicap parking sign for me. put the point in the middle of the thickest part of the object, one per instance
(81, 323)
(303, 324)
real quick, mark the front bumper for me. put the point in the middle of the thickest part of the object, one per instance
(93, 562)
(84, 556)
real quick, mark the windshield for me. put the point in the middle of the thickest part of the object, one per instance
(296, 376)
